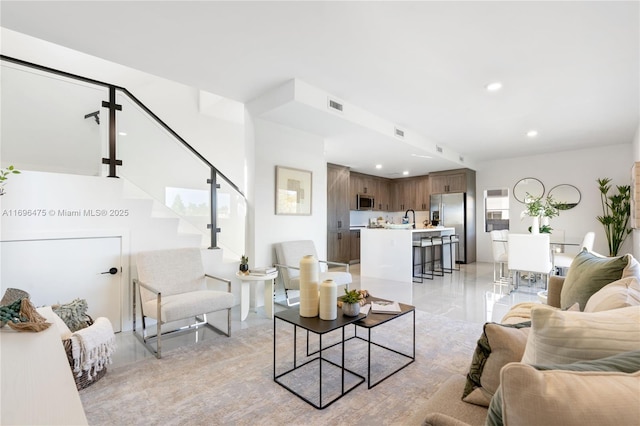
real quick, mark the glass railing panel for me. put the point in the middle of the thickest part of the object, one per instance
(43, 124)
(161, 166)
(231, 219)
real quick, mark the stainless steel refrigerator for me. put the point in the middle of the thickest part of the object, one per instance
(450, 211)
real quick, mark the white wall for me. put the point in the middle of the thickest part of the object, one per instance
(278, 145)
(580, 168)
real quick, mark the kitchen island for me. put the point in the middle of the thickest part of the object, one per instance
(388, 253)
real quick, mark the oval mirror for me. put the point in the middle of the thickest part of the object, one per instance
(526, 186)
(565, 196)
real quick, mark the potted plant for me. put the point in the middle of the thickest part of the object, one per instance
(538, 208)
(616, 210)
(244, 264)
(351, 302)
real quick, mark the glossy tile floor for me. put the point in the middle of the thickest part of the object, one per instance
(468, 295)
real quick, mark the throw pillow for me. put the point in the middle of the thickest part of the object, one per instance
(566, 336)
(588, 274)
(569, 398)
(626, 362)
(74, 314)
(498, 345)
(618, 294)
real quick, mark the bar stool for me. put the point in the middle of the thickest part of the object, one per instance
(421, 245)
(436, 241)
(452, 240)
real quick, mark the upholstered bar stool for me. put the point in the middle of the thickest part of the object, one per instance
(436, 248)
(451, 241)
(421, 246)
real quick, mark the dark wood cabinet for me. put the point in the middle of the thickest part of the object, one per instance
(355, 246)
(411, 193)
(449, 181)
(338, 190)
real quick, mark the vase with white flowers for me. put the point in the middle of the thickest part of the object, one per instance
(539, 208)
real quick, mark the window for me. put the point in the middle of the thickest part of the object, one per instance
(496, 209)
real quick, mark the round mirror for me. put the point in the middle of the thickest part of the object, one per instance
(531, 186)
(565, 196)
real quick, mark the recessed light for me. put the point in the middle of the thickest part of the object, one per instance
(378, 166)
(122, 133)
(406, 172)
(421, 156)
(494, 87)
(532, 133)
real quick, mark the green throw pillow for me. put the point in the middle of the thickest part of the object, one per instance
(588, 274)
(498, 345)
(626, 362)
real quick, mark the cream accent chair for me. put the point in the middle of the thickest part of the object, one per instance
(172, 286)
(288, 256)
(563, 260)
(499, 249)
(530, 253)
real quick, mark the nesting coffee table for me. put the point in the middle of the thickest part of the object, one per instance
(320, 362)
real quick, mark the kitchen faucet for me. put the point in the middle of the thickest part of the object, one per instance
(406, 215)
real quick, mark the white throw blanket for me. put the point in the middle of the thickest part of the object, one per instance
(92, 347)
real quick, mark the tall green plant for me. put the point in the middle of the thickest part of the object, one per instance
(616, 210)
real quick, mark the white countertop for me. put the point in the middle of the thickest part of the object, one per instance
(437, 229)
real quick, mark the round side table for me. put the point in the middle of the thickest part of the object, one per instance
(269, 284)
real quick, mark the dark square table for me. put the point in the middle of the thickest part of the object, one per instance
(320, 327)
(374, 320)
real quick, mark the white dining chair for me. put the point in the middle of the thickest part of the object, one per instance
(563, 260)
(500, 253)
(529, 253)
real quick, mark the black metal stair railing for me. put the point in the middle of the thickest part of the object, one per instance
(112, 161)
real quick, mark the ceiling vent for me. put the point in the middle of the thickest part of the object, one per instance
(335, 105)
(439, 149)
(399, 133)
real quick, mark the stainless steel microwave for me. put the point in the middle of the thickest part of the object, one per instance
(365, 202)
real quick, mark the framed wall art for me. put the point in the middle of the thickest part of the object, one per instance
(293, 191)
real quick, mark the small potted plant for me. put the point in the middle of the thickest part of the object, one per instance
(244, 264)
(351, 302)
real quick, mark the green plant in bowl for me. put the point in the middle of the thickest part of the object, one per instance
(352, 296)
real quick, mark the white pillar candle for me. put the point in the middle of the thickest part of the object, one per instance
(328, 300)
(309, 277)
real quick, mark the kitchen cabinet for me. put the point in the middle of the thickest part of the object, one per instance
(338, 190)
(404, 194)
(423, 190)
(370, 185)
(361, 184)
(354, 246)
(383, 195)
(411, 193)
(449, 181)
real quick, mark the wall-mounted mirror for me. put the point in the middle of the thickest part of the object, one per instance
(565, 196)
(526, 186)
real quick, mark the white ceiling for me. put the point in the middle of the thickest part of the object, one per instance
(570, 70)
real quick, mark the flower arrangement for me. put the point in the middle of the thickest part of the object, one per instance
(539, 207)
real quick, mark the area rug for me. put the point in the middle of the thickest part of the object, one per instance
(230, 380)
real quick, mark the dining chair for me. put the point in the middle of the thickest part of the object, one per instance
(500, 253)
(563, 260)
(529, 253)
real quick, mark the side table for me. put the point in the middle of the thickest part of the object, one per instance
(269, 284)
(303, 383)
